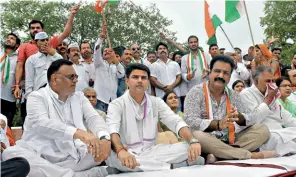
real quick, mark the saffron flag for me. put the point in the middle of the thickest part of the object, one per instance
(212, 21)
(234, 9)
(100, 4)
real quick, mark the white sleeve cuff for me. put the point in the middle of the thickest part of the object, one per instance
(180, 125)
(69, 132)
(103, 133)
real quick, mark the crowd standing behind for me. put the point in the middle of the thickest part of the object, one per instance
(168, 110)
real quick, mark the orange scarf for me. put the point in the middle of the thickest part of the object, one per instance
(231, 130)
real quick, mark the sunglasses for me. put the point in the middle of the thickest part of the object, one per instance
(136, 48)
(70, 76)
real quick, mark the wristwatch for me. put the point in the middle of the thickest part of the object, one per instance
(192, 141)
(106, 137)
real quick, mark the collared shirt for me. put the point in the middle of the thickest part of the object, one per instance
(240, 73)
(6, 90)
(27, 49)
(36, 70)
(195, 113)
(83, 76)
(166, 74)
(107, 76)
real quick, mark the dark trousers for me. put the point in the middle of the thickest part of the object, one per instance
(102, 106)
(15, 167)
(8, 109)
(23, 111)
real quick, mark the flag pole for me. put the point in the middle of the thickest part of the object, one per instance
(226, 36)
(249, 23)
(145, 15)
(107, 35)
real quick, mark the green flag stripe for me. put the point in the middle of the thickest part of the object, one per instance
(216, 21)
(231, 12)
(212, 40)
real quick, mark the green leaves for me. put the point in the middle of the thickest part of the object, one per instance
(126, 24)
(280, 21)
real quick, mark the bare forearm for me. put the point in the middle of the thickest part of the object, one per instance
(185, 133)
(115, 140)
(177, 81)
(156, 83)
(176, 45)
(19, 73)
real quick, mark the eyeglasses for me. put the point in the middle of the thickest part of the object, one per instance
(90, 96)
(70, 76)
(286, 85)
(136, 48)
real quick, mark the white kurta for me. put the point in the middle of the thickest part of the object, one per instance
(274, 116)
(197, 79)
(153, 156)
(240, 73)
(47, 142)
(83, 77)
(36, 69)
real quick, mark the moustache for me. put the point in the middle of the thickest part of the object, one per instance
(76, 54)
(219, 79)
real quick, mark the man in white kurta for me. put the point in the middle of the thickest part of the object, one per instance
(165, 73)
(133, 120)
(81, 70)
(55, 139)
(265, 110)
(36, 65)
(194, 64)
(108, 71)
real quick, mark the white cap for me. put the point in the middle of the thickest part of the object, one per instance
(229, 50)
(73, 45)
(66, 41)
(41, 35)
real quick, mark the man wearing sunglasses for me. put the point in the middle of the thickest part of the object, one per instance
(55, 139)
(137, 55)
(37, 64)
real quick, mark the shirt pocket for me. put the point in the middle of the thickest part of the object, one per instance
(40, 68)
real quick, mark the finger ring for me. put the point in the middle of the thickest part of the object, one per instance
(228, 119)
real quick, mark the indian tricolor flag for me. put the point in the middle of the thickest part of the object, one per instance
(212, 21)
(234, 9)
(100, 4)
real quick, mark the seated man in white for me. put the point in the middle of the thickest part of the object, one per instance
(133, 119)
(260, 102)
(55, 140)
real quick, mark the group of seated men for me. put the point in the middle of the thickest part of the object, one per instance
(65, 136)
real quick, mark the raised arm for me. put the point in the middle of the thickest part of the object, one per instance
(69, 24)
(172, 42)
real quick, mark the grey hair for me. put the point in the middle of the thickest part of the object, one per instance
(260, 69)
(89, 89)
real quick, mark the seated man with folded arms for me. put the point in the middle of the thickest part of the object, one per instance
(216, 115)
(55, 139)
(133, 120)
(259, 99)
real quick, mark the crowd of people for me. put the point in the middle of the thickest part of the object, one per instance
(94, 111)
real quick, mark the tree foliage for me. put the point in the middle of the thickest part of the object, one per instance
(280, 21)
(126, 23)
